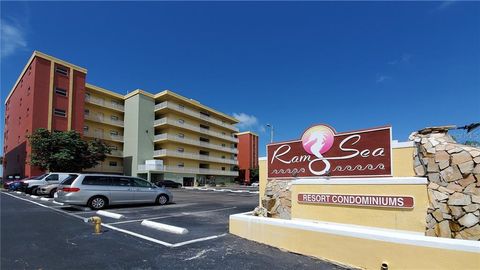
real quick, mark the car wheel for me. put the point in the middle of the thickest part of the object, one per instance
(97, 202)
(162, 199)
(34, 190)
(52, 193)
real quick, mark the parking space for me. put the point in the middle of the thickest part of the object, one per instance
(204, 213)
(32, 228)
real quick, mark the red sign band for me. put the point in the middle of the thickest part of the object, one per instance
(357, 200)
(323, 152)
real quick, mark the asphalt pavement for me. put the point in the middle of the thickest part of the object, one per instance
(39, 234)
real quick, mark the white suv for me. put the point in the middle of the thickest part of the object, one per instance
(31, 186)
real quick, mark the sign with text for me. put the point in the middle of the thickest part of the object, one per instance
(357, 200)
(323, 152)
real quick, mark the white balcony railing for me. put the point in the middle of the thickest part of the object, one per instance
(104, 120)
(104, 136)
(116, 153)
(166, 120)
(165, 168)
(164, 136)
(101, 102)
(165, 152)
(182, 109)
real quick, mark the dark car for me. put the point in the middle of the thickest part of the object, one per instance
(168, 183)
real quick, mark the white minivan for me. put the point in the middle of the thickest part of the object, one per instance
(31, 186)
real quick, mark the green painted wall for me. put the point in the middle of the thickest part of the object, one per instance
(138, 132)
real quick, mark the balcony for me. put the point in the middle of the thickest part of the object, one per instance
(116, 153)
(101, 102)
(164, 137)
(165, 168)
(182, 109)
(169, 121)
(186, 155)
(109, 121)
(103, 136)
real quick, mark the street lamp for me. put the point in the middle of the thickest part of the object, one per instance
(271, 132)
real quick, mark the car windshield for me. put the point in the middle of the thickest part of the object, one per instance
(40, 177)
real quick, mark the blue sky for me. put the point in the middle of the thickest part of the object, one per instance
(350, 65)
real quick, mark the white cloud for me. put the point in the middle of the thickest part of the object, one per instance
(405, 58)
(382, 78)
(246, 121)
(13, 38)
(445, 4)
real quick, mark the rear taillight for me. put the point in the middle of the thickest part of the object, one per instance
(70, 189)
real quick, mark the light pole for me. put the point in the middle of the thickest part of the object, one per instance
(271, 132)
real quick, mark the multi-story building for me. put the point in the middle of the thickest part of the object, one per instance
(247, 154)
(155, 136)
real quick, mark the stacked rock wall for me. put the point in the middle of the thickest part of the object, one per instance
(453, 172)
(277, 200)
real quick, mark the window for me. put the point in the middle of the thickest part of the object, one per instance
(181, 121)
(181, 135)
(180, 149)
(113, 132)
(205, 153)
(223, 157)
(52, 177)
(59, 112)
(97, 180)
(85, 128)
(141, 183)
(69, 180)
(181, 164)
(204, 139)
(205, 114)
(28, 91)
(181, 107)
(61, 92)
(87, 112)
(223, 168)
(204, 126)
(121, 181)
(62, 71)
(223, 145)
(112, 164)
(114, 117)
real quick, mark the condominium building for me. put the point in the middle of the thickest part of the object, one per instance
(247, 154)
(154, 136)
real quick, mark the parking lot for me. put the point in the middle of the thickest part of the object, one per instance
(41, 234)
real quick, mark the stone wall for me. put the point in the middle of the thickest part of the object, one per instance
(453, 172)
(277, 200)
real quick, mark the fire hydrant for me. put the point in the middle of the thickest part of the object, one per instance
(97, 224)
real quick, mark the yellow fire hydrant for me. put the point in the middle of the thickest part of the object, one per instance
(97, 224)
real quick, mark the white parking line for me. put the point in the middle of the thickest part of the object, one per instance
(59, 203)
(46, 206)
(138, 235)
(198, 240)
(33, 196)
(44, 199)
(173, 215)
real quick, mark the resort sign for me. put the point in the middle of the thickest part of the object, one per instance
(357, 200)
(323, 152)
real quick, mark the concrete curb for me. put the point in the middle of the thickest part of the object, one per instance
(110, 214)
(164, 227)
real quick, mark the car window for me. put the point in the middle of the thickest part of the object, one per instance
(40, 177)
(121, 181)
(141, 183)
(52, 177)
(96, 180)
(69, 180)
